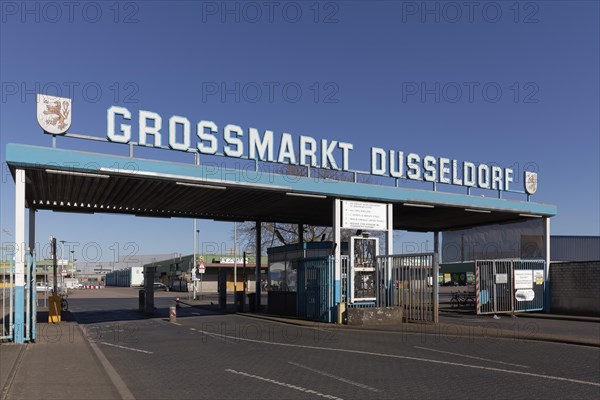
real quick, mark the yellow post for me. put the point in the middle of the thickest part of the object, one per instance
(54, 309)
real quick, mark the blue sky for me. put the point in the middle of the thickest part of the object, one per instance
(533, 67)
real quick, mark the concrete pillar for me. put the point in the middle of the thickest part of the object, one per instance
(300, 233)
(257, 270)
(435, 273)
(19, 325)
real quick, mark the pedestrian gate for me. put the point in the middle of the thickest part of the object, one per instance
(314, 294)
(507, 286)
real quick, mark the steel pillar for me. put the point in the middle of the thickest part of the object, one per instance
(337, 254)
(257, 269)
(19, 325)
(547, 294)
(435, 273)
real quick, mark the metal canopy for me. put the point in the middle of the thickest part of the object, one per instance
(75, 181)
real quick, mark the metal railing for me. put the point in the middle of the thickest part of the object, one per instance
(404, 281)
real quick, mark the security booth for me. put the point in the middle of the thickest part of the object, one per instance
(289, 284)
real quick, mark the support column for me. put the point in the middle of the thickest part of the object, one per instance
(300, 233)
(19, 325)
(257, 270)
(435, 273)
(547, 294)
(337, 254)
(32, 291)
(389, 243)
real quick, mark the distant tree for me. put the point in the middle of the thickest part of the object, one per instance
(289, 232)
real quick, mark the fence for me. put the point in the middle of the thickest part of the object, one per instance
(403, 281)
(507, 286)
(11, 329)
(314, 297)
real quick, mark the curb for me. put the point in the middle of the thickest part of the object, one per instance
(431, 329)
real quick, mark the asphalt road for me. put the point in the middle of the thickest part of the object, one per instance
(207, 355)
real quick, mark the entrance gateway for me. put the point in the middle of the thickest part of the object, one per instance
(60, 179)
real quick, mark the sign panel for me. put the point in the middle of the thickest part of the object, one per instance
(523, 279)
(501, 278)
(538, 276)
(363, 215)
(201, 268)
(232, 260)
(524, 295)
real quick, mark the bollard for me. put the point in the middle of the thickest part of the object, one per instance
(172, 314)
(177, 303)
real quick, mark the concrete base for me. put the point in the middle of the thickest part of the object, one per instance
(374, 316)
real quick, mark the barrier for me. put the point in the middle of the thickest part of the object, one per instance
(508, 286)
(314, 299)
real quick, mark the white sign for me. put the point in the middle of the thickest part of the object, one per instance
(523, 279)
(62, 262)
(150, 129)
(362, 215)
(524, 295)
(501, 278)
(201, 268)
(538, 276)
(232, 260)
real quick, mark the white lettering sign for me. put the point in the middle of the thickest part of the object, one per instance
(362, 215)
(206, 137)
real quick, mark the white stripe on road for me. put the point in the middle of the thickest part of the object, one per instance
(428, 360)
(287, 385)
(360, 385)
(473, 357)
(126, 348)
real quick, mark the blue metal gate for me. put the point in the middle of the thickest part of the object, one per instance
(507, 286)
(315, 289)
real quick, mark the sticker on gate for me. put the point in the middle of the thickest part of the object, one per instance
(501, 278)
(538, 276)
(524, 295)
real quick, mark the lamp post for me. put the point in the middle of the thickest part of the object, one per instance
(72, 264)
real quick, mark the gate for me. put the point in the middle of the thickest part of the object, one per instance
(406, 281)
(18, 328)
(507, 286)
(314, 296)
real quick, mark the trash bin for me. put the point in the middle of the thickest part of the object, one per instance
(142, 300)
(239, 301)
(252, 302)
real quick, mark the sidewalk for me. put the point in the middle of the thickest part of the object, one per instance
(62, 364)
(526, 326)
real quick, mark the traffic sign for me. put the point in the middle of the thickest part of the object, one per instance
(201, 268)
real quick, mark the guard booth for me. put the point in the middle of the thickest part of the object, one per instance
(300, 280)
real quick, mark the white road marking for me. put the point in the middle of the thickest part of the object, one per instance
(287, 385)
(218, 337)
(473, 357)
(175, 323)
(126, 348)
(428, 360)
(360, 385)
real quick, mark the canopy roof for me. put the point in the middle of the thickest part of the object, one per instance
(77, 181)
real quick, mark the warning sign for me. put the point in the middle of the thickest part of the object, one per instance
(538, 276)
(523, 279)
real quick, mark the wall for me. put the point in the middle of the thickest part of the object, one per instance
(575, 288)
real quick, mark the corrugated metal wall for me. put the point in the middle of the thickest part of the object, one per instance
(574, 248)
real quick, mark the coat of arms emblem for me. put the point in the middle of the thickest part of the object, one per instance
(53, 113)
(530, 182)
